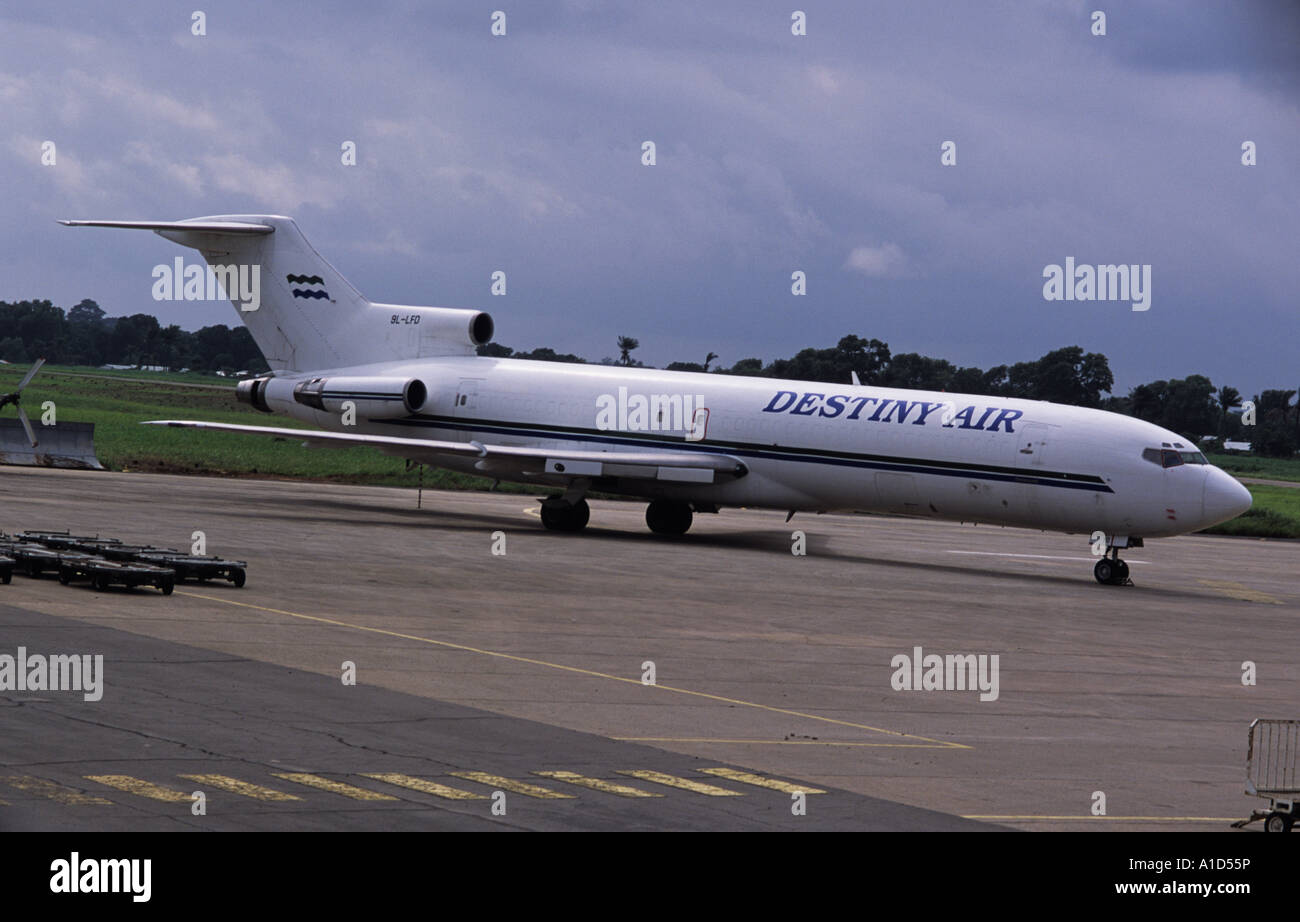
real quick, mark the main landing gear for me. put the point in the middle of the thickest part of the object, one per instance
(558, 514)
(664, 516)
(668, 517)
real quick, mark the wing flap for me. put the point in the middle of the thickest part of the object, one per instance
(676, 466)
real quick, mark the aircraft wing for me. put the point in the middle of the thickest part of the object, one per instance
(504, 460)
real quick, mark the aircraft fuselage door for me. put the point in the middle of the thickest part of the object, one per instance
(467, 397)
(1033, 445)
(1031, 456)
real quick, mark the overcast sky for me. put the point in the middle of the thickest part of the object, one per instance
(775, 152)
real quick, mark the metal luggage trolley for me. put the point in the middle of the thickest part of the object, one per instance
(1272, 751)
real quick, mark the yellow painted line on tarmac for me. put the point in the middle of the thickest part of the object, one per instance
(56, 792)
(535, 511)
(686, 784)
(598, 784)
(1239, 591)
(509, 784)
(424, 786)
(710, 739)
(235, 786)
(774, 784)
(446, 644)
(1131, 819)
(334, 787)
(142, 788)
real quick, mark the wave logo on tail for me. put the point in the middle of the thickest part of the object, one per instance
(307, 280)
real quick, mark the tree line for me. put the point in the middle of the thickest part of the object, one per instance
(85, 335)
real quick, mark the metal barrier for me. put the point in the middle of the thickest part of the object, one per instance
(1272, 749)
(1271, 753)
(62, 445)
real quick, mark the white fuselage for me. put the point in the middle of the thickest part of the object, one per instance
(812, 446)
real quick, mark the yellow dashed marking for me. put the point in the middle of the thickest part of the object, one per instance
(787, 787)
(56, 792)
(142, 788)
(686, 784)
(446, 644)
(334, 787)
(1238, 591)
(597, 784)
(509, 784)
(235, 786)
(424, 786)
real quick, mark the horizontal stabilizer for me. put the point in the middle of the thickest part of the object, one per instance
(206, 227)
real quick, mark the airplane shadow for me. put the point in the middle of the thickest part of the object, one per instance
(766, 542)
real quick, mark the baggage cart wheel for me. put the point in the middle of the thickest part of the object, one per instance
(64, 576)
(238, 578)
(101, 583)
(7, 578)
(1278, 822)
(167, 586)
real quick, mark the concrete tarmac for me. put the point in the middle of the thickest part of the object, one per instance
(476, 668)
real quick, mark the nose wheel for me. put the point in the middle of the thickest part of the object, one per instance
(1111, 571)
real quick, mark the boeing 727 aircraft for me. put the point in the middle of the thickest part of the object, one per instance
(407, 381)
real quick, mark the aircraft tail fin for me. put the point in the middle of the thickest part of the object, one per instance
(303, 314)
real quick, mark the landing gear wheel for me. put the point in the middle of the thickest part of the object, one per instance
(1104, 571)
(1121, 575)
(668, 517)
(557, 515)
(1278, 822)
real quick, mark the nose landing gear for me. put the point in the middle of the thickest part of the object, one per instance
(1110, 570)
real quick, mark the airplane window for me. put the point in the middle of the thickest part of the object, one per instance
(1171, 458)
(1193, 457)
(1152, 455)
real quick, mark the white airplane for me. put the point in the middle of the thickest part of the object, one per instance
(407, 381)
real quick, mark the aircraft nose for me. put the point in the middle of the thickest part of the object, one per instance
(1224, 497)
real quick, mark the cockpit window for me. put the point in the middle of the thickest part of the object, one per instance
(1167, 457)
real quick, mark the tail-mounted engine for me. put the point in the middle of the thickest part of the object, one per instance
(375, 398)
